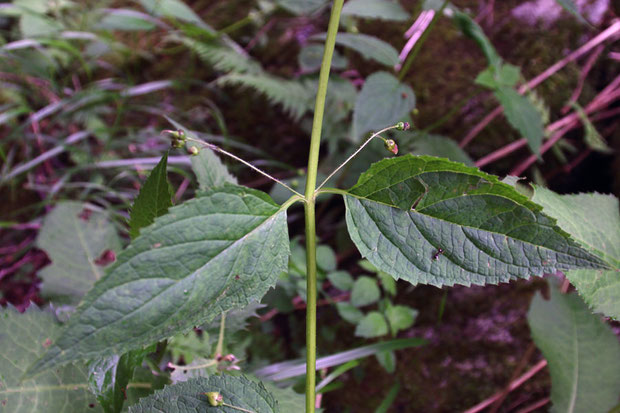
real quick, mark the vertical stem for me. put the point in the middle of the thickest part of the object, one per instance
(313, 164)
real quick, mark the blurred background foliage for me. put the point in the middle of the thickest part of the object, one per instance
(85, 88)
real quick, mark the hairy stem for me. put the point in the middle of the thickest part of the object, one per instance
(313, 164)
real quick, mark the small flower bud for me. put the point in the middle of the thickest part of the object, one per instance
(215, 398)
(403, 126)
(175, 134)
(176, 143)
(391, 146)
(193, 150)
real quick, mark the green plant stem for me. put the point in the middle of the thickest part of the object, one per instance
(313, 165)
(418, 46)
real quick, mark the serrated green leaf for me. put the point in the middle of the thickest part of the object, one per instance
(400, 317)
(494, 77)
(523, 116)
(372, 325)
(403, 210)
(375, 9)
(365, 292)
(342, 280)
(23, 339)
(436, 145)
(74, 237)
(599, 288)
(592, 138)
(582, 352)
(214, 253)
(349, 312)
(189, 397)
(369, 47)
(593, 221)
(153, 200)
(382, 102)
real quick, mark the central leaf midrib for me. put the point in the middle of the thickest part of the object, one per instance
(466, 226)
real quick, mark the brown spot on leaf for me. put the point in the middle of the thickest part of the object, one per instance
(107, 257)
(85, 214)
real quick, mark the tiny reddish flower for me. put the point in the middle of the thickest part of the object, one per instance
(391, 146)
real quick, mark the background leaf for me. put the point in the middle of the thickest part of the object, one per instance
(175, 9)
(153, 200)
(217, 252)
(382, 102)
(400, 317)
(440, 146)
(473, 30)
(375, 9)
(594, 221)
(301, 6)
(365, 292)
(349, 312)
(341, 280)
(522, 115)
(188, 396)
(369, 47)
(404, 209)
(108, 377)
(372, 325)
(75, 237)
(23, 339)
(311, 56)
(582, 352)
